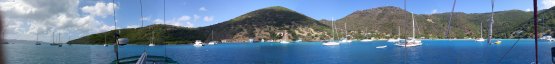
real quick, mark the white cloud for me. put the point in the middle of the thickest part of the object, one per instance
(132, 26)
(547, 4)
(145, 18)
(196, 17)
(202, 9)
(208, 18)
(26, 18)
(17, 7)
(100, 9)
(184, 18)
(189, 24)
(184, 21)
(528, 10)
(434, 11)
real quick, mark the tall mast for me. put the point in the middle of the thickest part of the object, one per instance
(399, 32)
(212, 34)
(37, 37)
(450, 19)
(333, 29)
(53, 37)
(490, 35)
(141, 4)
(481, 30)
(413, 34)
(346, 29)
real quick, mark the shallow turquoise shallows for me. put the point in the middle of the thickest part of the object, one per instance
(431, 52)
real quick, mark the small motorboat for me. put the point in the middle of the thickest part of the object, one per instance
(198, 43)
(384, 46)
(105, 45)
(497, 42)
(330, 43)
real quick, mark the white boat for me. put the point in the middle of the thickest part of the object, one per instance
(497, 42)
(411, 41)
(212, 42)
(366, 40)
(345, 40)
(480, 39)
(330, 43)
(151, 44)
(394, 40)
(198, 43)
(284, 42)
(299, 40)
(251, 40)
(384, 46)
(548, 38)
(105, 45)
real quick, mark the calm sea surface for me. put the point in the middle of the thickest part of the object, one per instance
(431, 52)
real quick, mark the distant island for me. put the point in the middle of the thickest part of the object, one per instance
(280, 23)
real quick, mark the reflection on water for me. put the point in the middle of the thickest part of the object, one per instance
(431, 52)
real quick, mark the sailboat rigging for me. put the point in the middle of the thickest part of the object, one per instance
(331, 42)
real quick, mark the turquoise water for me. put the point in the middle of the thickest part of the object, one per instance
(432, 52)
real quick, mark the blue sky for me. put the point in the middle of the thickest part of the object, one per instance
(221, 10)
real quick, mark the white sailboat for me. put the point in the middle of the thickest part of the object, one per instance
(346, 38)
(212, 37)
(398, 38)
(481, 39)
(367, 40)
(37, 41)
(105, 45)
(331, 42)
(412, 41)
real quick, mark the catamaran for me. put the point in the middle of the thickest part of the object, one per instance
(331, 42)
(412, 41)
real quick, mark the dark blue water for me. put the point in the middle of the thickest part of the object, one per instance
(432, 52)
